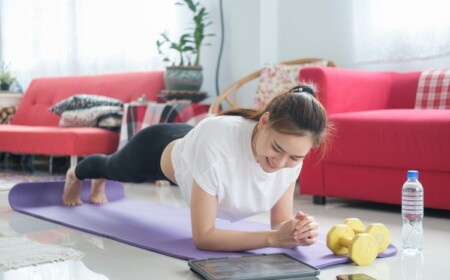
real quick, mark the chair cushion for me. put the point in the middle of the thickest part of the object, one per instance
(278, 78)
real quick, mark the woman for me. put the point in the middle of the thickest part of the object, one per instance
(231, 166)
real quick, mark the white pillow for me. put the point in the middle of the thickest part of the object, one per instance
(86, 117)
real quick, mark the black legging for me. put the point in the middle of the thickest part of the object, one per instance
(138, 161)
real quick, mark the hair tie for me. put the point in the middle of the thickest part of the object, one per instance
(303, 88)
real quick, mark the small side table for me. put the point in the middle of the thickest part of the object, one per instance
(8, 104)
(8, 98)
(193, 96)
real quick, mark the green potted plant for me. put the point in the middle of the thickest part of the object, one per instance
(6, 78)
(185, 71)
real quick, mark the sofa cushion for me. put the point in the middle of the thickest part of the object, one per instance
(402, 138)
(57, 140)
(344, 90)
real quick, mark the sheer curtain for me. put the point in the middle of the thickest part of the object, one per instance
(400, 30)
(67, 37)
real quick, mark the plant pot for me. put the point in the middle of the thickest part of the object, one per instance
(188, 78)
(4, 86)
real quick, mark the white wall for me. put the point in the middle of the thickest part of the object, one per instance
(241, 48)
(241, 43)
(260, 31)
(316, 28)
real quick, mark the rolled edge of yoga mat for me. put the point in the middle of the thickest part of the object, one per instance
(26, 194)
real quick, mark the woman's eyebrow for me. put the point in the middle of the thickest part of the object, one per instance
(278, 146)
(282, 150)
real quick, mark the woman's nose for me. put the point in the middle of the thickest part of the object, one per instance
(282, 161)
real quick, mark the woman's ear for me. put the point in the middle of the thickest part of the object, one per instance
(263, 120)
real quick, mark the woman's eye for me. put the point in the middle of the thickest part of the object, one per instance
(275, 149)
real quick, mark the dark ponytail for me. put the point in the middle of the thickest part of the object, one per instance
(296, 112)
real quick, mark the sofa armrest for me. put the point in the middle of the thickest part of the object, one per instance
(349, 90)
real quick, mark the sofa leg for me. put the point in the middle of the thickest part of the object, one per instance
(27, 163)
(319, 200)
(73, 161)
(50, 164)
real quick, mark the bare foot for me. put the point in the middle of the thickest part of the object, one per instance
(72, 189)
(97, 195)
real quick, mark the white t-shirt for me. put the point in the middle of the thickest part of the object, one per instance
(217, 153)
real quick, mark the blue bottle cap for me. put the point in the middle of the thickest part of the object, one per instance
(413, 174)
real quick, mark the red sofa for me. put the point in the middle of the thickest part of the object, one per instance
(378, 137)
(35, 130)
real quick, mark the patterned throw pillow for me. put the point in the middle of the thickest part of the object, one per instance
(433, 89)
(84, 101)
(86, 117)
(111, 121)
(278, 78)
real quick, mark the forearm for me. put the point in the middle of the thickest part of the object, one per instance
(207, 237)
(275, 225)
(281, 212)
(230, 240)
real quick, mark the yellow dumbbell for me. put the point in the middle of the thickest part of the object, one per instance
(377, 230)
(361, 248)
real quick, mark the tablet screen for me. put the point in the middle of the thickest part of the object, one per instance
(267, 266)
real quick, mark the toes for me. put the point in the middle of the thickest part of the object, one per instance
(98, 201)
(72, 203)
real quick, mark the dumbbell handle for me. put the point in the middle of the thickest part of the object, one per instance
(345, 241)
(378, 230)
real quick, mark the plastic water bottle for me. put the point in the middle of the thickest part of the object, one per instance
(412, 265)
(412, 213)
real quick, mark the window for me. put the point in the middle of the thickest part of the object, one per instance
(400, 30)
(66, 37)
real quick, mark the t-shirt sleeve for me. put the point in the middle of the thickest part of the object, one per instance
(296, 172)
(203, 154)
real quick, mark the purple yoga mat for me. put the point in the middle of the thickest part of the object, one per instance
(159, 228)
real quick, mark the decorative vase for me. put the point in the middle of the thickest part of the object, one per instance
(4, 87)
(183, 78)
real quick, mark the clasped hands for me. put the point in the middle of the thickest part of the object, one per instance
(300, 231)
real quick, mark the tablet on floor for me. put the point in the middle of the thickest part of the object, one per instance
(263, 266)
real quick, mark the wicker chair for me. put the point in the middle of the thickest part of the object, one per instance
(232, 90)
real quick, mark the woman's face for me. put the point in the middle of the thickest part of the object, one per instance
(274, 151)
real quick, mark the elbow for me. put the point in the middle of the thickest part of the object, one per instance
(200, 245)
(201, 242)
